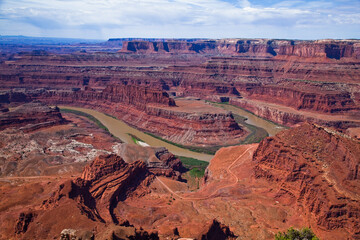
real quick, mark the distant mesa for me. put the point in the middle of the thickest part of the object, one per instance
(256, 47)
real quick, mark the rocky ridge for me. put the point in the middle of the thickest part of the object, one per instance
(305, 176)
(104, 183)
(317, 169)
(31, 116)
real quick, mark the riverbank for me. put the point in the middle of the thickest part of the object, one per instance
(258, 122)
(121, 130)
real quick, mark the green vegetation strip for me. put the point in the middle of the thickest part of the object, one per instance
(79, 113)
(90, 117)
(195, 166)
(135, 138)
(256, 133)
(207, 150)
(227, 103)
(267, 120)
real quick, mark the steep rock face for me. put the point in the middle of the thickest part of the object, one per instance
(289, 117)
(169, 46)
(257, 47)
(136, 95)
(158, 160)
(31, 116)
(105, 182)
(154, 112)
(196, 128)
(320, 102)
(14, 97)
(272, 114)
(328, 49)
(319, 169)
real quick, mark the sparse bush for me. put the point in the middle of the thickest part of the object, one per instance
(294, 234)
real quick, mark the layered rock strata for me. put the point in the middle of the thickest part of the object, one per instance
(290, 117)
(259, 47)
(105, 182)
(318, 168)
(159, 161)
(31, 116)
(153, 111)
(315, 76)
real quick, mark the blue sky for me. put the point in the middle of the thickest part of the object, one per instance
(103, 19)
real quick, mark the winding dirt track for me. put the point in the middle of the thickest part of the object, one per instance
(216, 190)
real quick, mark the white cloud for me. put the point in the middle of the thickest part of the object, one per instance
(101, 18)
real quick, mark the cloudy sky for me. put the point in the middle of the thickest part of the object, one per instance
(103, 19)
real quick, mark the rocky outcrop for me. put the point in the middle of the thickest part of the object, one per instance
(23, 222)
(319, 169)
(216, 231)
(14, 97)
(72, 234)
(31, 116)
(105, 182)
(60, 149)
(159, 161)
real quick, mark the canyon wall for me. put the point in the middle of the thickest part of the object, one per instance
(316, 76)
(317, 168)
(260, 47)
(153, 111)
(31, 116)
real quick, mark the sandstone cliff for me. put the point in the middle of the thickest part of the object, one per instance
(31, 116)
(257, 47)
(153, 111)
(317, 168)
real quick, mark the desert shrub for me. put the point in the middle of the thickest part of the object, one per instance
(294, 234)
